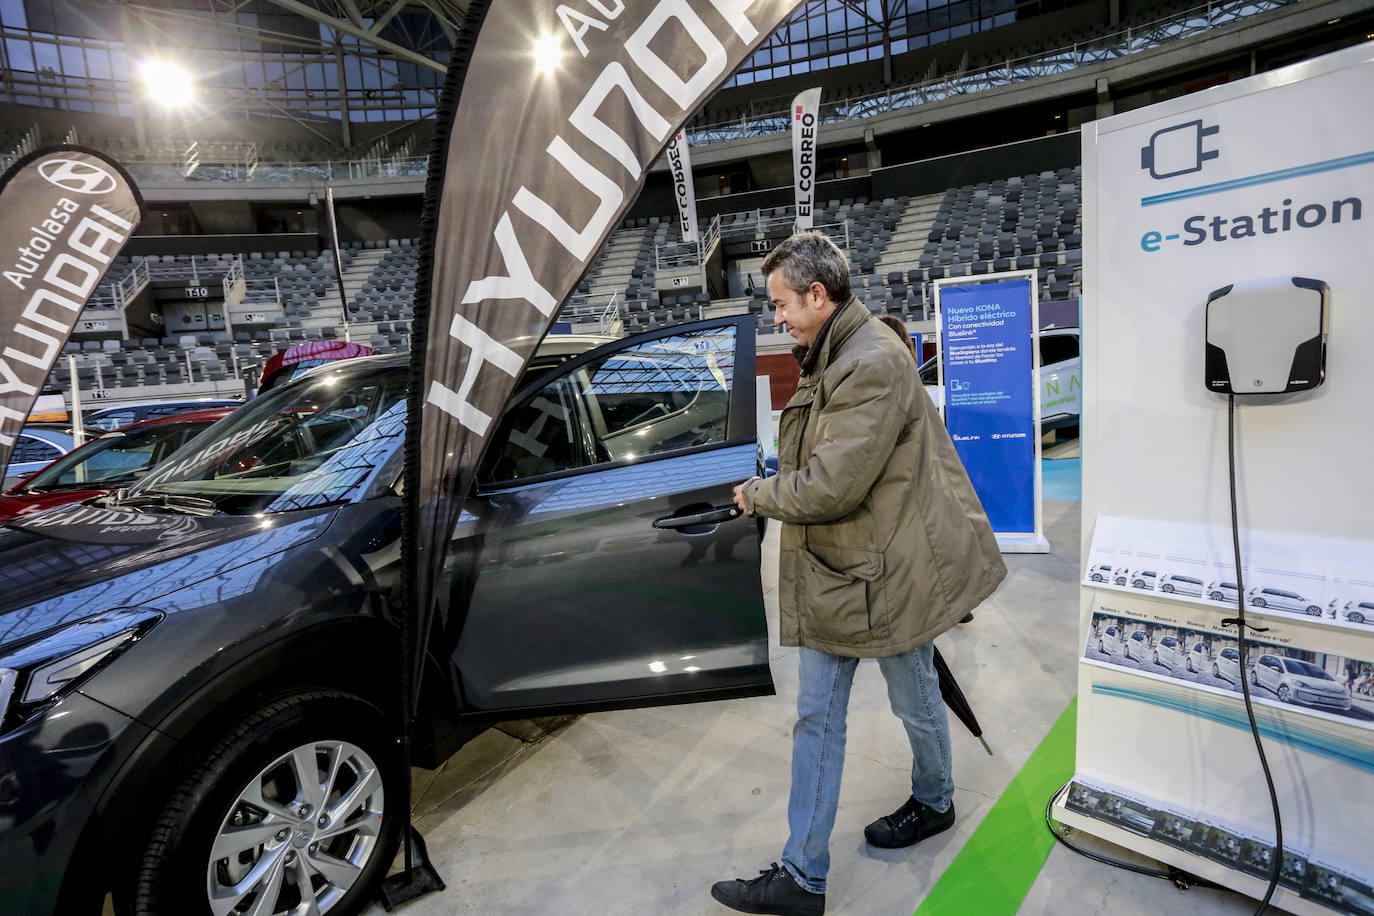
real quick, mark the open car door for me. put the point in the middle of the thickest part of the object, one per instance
(601, 562)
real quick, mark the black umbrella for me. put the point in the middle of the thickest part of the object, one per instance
(955, 700)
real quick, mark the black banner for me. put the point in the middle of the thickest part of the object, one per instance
(67, 211)
(550, 117)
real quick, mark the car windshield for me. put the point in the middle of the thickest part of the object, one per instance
(115, 459)
(309, 444)
(1305, 669)
(1231, 654)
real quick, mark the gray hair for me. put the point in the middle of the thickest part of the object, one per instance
(810, 257)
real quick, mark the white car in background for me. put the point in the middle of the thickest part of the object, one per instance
(1143, 578)
(1296, 681)
(1181, 585)
(1167, 651)
(1198, 657)
(1138, 646)
(1226, 666)
(1109, 641)
(1061, 379)
(1100, 573)
(1224, 592)
(1283, 600)
(1120, 576)
(1353, 611)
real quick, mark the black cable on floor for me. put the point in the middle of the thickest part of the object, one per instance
(1239, 621)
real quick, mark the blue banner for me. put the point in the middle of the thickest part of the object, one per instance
(987, 361)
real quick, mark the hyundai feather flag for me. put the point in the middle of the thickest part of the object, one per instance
(67, 212)
(550, 117)
(805, 108)
(680, 170)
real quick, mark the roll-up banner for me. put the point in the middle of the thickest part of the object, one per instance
(67, 212)
(680, 166)
(517, 206)
(805, 108)
(989, 372)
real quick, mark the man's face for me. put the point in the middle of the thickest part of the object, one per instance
(804, 313)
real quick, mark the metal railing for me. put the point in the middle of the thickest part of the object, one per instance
(585, 310)
(771, 116)
(1135, 39)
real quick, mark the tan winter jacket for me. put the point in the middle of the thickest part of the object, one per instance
(884, 543)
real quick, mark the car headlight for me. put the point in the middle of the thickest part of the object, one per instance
(41, 671)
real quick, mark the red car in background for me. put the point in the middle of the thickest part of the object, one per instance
(106, 463)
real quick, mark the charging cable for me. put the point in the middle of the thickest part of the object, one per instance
(1183, 880)
(1239, 621)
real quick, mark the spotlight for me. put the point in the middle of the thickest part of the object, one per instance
(167, 83)
(548, 51)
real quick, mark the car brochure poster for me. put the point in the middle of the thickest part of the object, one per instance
(1320, 579)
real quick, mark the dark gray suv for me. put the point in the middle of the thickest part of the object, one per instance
(199, 692)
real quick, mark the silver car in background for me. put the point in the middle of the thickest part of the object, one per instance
(1227, 665)
(1284, 600)
(1225, 592)
(1295, 681)
(1182, 585)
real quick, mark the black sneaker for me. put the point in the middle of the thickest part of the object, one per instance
(774, 891)
(908, 825)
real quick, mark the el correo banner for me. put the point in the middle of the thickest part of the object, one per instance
(67, 212)
(536, 158)
(680, 165)
(805, 108)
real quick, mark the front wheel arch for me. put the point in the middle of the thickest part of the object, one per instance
(278, 741)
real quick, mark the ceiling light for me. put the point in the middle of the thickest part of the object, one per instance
(166, 83)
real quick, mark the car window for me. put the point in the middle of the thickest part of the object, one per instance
(31, 448)
(1305, 669)
(115, 458)
(1230, 654)
(297, 447)
(1055, 348)
(539, 436)
(655, 396)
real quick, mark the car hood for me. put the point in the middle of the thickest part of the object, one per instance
(75, 561)
(18, 504)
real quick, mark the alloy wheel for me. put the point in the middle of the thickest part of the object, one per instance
(299, 834)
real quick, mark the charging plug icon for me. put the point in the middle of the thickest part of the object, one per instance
(1178, 150)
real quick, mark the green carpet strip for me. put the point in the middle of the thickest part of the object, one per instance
(994, 871)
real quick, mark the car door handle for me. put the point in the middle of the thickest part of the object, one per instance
(710, 517)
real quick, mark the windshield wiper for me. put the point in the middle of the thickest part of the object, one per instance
(192, 505)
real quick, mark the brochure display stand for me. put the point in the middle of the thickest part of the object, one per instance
(989, 372)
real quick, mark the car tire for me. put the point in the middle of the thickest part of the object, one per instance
(1254, 678)
(1217, 596)
(1285, 695)
(265, 758)
(1099, 647)
(1354, 617)
(1156, 655)
(1216, 671)
(1120, 580)
(1313, 611)
(1257, 601)
(1167, 588)
(1189, 664)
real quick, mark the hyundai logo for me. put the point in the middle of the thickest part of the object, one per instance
(77, 177)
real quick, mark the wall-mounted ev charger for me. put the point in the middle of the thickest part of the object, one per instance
(1267, 336)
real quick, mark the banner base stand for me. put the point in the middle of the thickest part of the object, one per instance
(406, 886)
(1023, 543)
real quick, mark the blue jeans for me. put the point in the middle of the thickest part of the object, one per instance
(913, 690)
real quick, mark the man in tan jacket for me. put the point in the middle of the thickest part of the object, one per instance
(884, 547)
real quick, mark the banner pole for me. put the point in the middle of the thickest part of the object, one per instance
(78, 430)
(338, 262)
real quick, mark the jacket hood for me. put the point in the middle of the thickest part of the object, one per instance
(72, 562)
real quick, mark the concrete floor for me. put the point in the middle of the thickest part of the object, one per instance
(640, 811)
